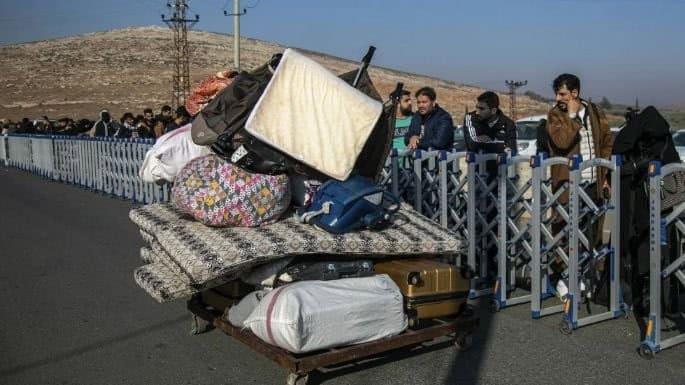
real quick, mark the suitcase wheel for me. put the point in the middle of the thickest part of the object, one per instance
(297, 379)
(412, 319)
(463, 341)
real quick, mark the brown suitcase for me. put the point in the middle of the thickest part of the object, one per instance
(431, 289)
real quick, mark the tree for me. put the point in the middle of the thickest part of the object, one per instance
(605, 103)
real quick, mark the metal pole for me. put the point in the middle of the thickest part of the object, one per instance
(236, 34)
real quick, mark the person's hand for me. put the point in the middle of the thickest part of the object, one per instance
(573, 106)
(413, 142)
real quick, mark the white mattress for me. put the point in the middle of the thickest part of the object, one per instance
(310, 114)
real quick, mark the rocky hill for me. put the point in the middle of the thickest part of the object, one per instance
(130, 69)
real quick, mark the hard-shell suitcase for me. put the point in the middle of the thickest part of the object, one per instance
(327, 270)
(431, 289)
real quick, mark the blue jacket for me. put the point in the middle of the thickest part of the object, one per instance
(438, 132)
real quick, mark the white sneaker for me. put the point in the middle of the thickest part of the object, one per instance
(562, 289)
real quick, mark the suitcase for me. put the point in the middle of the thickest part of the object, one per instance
(327, 270)
(431, 289)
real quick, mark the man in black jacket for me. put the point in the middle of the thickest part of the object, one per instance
(431, 127)
(487, 129)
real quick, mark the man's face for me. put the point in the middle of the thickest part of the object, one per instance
(166, 114)
(148, 116)
(563, 96)
(129, 120)
(405, 105)
(483, 112)
(424, 105)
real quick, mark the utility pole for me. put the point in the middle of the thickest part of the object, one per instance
(236, 32)
(513, 85)
(180, 24)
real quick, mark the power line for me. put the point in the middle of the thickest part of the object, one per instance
(180, 24)
(513, 85)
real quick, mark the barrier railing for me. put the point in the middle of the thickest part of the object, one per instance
(585, 257)
(106, 165)
(515, 248)
(515, 216)
(659, 268)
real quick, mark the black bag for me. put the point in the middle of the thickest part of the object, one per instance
(328, 270)
(225, 116)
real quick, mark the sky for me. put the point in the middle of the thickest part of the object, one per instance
(621, 49)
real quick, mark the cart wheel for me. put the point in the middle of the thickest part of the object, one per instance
(463, 341)
(494, 306)
(565, 328)
(297, 379)
(413, 321)
(646, 352)
(199, 326)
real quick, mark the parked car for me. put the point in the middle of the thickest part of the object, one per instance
(527, 130)
(459, 142)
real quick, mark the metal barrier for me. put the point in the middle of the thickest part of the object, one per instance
(585, 257)
(548, 243)
(658, 237)
(515, 248)
(101, 164)
(482, 220)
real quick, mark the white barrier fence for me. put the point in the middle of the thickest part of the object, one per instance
(105, 165)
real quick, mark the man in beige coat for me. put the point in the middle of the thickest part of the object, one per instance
(575, 126)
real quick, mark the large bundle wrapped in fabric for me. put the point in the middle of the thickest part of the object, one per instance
(169, 155)
(217, 193)
(207, 89)
(313, 315)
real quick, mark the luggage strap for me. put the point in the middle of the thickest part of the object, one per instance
(269, 311)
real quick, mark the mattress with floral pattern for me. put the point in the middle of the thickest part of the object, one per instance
(184, 257)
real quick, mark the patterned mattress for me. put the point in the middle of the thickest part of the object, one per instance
(184, 256)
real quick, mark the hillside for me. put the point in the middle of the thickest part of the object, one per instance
(129, 69)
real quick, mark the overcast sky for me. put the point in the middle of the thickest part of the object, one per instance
(620, 48)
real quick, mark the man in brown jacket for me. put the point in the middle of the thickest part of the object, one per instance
(575, 126)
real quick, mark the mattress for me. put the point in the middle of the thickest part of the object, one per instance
(195, 257)
(310, 114)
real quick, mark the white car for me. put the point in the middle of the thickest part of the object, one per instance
(526, 130)
(679, 141)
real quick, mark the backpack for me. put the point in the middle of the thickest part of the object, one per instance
(356, 203)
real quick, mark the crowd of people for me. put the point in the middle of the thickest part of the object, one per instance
(145, 126)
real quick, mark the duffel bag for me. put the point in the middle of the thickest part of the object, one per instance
(217, 193)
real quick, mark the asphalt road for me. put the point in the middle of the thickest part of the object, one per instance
(70, 313)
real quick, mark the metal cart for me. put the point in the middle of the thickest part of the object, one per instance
(300, 365)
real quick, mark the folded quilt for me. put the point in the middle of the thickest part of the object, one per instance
(161, 283)
(203, 256)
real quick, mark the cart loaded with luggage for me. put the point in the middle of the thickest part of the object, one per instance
(278, 234)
